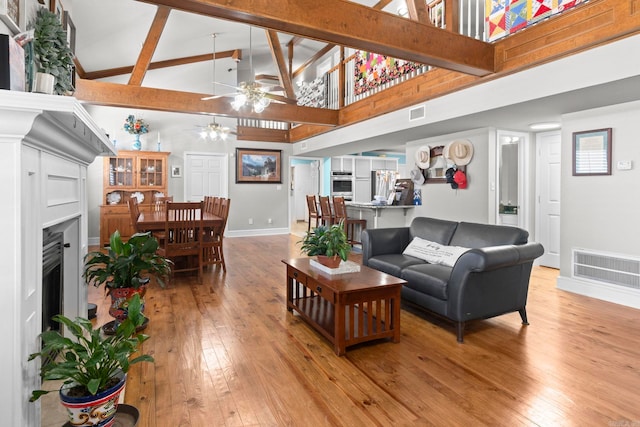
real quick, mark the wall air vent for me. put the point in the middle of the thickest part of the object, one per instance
(416, 113)
(618, 270)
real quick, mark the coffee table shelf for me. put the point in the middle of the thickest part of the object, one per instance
(347, 309)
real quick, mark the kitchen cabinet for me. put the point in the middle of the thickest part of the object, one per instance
(342, 164)
(362, 190)
(140, 174)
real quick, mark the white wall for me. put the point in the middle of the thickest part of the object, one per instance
(440, 200)
(601, 212)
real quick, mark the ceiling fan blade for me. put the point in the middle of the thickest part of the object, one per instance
(217, 96)
(227, 85)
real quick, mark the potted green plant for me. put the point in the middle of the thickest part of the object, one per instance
(93, 366)
(52, 53)
(125, 269)
(328, 244)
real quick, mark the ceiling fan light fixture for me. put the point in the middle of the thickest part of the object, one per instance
(215, 132)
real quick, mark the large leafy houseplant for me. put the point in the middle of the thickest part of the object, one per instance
(127, 264)
(51, 50)
(88, 362)
(327, 241)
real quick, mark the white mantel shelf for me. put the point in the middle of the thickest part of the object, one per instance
(46, 144)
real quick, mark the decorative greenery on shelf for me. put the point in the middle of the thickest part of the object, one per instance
(89, 361)
(135, 126)
(52, 52)
(125, 263)
(327, 241)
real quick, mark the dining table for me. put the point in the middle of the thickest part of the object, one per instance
(154, 221)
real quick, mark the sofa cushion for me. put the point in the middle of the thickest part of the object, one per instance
(433, 252)
(393, 263)
(436, 230)
(471, 235)
(430, 279)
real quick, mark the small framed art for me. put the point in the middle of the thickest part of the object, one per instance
(176, 171)
(592, 152)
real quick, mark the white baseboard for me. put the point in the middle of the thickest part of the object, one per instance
(256, 232)
(606, 292)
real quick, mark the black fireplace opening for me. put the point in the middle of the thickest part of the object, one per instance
(52, 279)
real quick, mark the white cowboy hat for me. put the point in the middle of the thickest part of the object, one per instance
(423, 157)
(459, 151)
(416, 176)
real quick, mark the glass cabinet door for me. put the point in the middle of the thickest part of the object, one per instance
(152, 172)
(121, 172)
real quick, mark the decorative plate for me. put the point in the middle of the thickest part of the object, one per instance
(159, 194)
(113, 198)
(138, 195)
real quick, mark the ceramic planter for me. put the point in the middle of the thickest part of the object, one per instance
(96, 411)
(120, 298)
(329, 262)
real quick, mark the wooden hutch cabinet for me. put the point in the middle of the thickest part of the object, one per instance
(141, 174)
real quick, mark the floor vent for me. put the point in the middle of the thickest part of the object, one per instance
(615, 269)
(416, 113)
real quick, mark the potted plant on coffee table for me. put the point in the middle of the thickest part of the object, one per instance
(126, 270)
(93, 366)
(328, 244)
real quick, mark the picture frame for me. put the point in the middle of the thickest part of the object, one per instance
(592, 152)
(258, 166)
(10, 11)
(176, 171)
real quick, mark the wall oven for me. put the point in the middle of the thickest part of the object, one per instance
(342, 184)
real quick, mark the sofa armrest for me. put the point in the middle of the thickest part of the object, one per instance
(490, 281)
(382, 241)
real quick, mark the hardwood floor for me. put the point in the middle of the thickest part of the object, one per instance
(228, 353)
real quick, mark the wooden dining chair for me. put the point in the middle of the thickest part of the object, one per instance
(312, 207)
(182, 244)
(349, 224)
(213, 238)
(160, 202)
(134, 211)
(326, 216)
(217, 206)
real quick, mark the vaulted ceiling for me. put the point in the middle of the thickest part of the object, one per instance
(127, 49)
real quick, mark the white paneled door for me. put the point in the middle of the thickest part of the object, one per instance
(205, 175)
(548, 189)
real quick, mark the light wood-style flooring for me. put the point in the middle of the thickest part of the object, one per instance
(228, 353)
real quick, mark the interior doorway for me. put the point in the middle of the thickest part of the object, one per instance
(548, 167)
(304, 179)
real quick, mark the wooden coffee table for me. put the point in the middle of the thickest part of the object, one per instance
(347, 309)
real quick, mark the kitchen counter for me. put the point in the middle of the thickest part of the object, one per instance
(379, 216)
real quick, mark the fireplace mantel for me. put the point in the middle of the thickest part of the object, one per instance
(46, 143)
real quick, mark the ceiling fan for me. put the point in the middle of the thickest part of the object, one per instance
(252, 94)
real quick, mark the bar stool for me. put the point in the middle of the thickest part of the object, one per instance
(312, 207)
(326, 216)
(340, 211)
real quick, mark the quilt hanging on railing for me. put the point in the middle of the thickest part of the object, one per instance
(504, 17)
(373, 70)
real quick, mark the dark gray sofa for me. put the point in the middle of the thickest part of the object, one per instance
(490, 279)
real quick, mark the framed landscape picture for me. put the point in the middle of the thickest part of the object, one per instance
(258, 166)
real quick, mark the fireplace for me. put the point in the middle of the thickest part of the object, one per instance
(52, 278)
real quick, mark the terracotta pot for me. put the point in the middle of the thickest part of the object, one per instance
(330, 262)
(120, 298)
(98, 410)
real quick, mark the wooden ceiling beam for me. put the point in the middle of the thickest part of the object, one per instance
(236, 54)
(351, 24)
(278, 57)
(129, 96)
(418, 11)
(149, 46)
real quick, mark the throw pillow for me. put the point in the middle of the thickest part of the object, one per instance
(433, 252)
